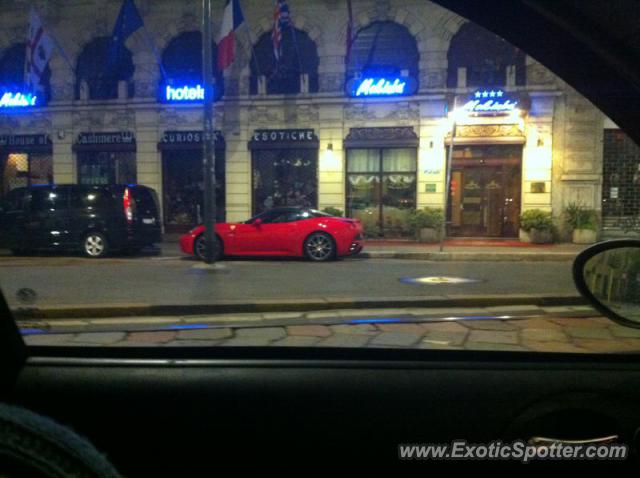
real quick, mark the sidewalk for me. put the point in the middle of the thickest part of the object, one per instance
(516, 328)
(471, 250)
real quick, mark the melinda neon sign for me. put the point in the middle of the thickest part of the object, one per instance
(490, 101)
(184, 93)
(17, 100)
(381, 87)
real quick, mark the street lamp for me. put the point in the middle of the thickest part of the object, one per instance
(209, 171)
(453, 115)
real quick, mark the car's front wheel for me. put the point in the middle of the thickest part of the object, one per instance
(320, 247)
(94, 245)
(200, 248)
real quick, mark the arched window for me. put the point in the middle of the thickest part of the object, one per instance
(485, 56)
(299, 55)
(12, 71)
(383, 48)
(182, 61)
(101, 77)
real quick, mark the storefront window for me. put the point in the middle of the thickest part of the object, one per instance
(103, 167)
(26, 169)
(284, 177)
(381, 189)
(621, 181)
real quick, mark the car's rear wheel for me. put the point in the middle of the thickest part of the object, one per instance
(320, 247)
(200, 248)
(94, 245)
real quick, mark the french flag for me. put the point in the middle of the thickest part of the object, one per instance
(232, 18)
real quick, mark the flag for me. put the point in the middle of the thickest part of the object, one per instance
(129, 20)
(39, 50)
(232, 18)
(350, 37)
(281, 20)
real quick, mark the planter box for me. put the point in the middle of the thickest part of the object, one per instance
(585, 236)
(428, 235)
(536, 236)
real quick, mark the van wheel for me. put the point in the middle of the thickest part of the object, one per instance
(94, 245)
(199, 248)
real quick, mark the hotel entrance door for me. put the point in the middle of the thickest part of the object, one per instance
(485, 191)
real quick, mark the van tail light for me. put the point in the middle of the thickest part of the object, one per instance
(126, 202)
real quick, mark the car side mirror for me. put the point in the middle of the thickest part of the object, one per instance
(257, 222)
(608, 276)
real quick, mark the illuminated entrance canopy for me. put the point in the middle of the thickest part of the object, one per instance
(184, 93)
(381, 86)
(17, 100)
(490, 101)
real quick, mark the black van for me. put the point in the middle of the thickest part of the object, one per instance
(92, 219)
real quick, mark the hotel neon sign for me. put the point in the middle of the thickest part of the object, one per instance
(490, 101)
(381, 87)
(17, 100)
(184, 94)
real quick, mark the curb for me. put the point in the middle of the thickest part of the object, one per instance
(472, 256)
(146, 310)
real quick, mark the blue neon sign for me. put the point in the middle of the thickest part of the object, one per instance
(490, 101)
(17, 100)
(379, 86)
(184, 93)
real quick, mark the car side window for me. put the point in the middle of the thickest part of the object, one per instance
(43, 200)
(265, 217)
(93, 198)
(14, 201)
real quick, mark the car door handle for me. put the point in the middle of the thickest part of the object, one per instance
(546, 441)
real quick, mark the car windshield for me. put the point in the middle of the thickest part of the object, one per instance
(420, 181)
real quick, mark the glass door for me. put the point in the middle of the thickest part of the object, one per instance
(485, 191)
(381, 189)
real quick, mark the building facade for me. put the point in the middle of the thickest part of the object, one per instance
(367, 134)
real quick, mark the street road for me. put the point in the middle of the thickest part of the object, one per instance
(171, 279)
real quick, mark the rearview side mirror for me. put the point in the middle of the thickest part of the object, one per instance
(608, 276)
(257, 222)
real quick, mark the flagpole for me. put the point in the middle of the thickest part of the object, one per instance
(208, 137)
(250, 38)
(295, 44)
(152, 46)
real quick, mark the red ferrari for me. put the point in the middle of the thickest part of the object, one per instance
(286, 231)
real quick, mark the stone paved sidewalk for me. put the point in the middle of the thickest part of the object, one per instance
(546, 331)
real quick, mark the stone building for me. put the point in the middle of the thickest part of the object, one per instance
(314, 128)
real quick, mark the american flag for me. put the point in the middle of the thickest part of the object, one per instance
(281, 20)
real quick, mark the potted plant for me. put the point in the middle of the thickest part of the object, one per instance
(583, 222)
(536, 226)
(426, 224)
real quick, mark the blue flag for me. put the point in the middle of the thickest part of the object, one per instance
(129, 20)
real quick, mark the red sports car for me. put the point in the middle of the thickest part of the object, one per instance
(286, 231)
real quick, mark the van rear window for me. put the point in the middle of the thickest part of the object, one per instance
(144, 200)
